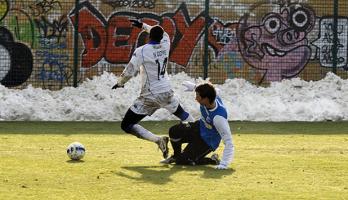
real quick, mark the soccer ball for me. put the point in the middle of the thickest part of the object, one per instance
(75, 151)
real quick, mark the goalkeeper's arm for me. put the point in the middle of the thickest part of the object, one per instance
(224, 130)
(192, 86)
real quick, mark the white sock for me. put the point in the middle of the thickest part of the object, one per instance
(145, 134)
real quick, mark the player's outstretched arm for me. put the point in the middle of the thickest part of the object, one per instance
(147, 28)
(138, 23)
(127, 74)
(134, 64)
(189, 86)
(223, 128)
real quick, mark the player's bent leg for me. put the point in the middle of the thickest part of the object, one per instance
(182, 133)
(176, 131)
(176, 140)
(129, 120)
(195, 150)
(162, 143)
(195, 158)
(130, 125)
(168, 160)
(213, 160)
(184, 160)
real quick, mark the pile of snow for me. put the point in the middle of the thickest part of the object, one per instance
(93, 100)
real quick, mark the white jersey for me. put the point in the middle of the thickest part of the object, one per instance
(151, 60)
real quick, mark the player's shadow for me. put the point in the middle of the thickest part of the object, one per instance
(162, 174)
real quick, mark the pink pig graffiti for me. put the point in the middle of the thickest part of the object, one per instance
(278, 42)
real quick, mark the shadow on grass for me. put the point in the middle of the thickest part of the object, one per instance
(162, 174)
(75, 161)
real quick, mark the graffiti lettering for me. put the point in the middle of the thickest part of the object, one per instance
(51, 75)
(190, 35)
(48, 44)
(56, 28)
(115, 39)
(92, 30)
(43, 7)
(223, 35)
(325, 42)
(131, 3)
(53, 65)
(51, 58)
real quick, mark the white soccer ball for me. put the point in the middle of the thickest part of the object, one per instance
(75, 151)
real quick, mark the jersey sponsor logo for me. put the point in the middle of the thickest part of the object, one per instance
(159, 53)
(206, 124)
(208, 120)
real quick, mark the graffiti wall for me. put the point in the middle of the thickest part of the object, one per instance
(261, 41)
(36, 44)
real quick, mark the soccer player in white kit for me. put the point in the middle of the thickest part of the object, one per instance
(151, 60)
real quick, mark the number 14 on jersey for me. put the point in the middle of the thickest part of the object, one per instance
(161, 68)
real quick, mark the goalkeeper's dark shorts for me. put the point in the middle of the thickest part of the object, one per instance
(195, 151)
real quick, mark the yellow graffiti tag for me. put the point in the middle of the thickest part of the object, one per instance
(3, 8)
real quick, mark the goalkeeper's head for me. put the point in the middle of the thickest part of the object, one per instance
(206, 90)
(156, 34)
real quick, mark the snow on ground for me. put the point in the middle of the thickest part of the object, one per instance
(93, 100)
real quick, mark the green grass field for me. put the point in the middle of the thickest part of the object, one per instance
(293, 160)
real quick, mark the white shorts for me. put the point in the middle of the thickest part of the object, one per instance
(148, 104)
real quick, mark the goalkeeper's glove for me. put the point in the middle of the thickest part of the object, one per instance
(116, 86)
(137, 23)
(189, 86)
(221, 166)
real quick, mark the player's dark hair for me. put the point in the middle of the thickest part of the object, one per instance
(206, 90)
(156, 33)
